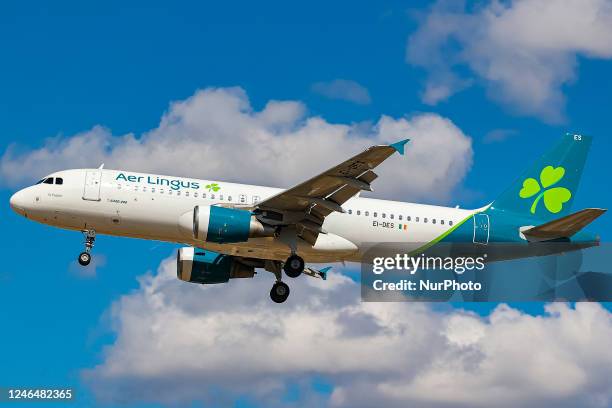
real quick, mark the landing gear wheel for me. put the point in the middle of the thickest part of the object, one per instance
(279, 292)
(294, 266)
(84, 258)
(90, 238)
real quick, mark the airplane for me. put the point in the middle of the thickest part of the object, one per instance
(232, 229)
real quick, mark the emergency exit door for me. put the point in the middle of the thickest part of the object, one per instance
(93, 181)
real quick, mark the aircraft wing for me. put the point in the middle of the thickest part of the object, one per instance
(307, 204)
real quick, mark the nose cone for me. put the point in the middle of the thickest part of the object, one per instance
(19, 202)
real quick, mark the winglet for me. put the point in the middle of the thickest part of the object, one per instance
(324, 271)
(399, 146)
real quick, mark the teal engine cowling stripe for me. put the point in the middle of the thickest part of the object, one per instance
(210, 267)
(228, 225)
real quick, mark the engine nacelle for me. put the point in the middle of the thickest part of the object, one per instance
(206, 267)
(222, 225)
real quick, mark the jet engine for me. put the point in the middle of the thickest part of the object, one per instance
(207, 267)
(222, 225)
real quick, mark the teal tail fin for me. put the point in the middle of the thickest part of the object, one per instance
(547, 189)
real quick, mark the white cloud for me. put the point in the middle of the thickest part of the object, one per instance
(177, 343)
(216, 134)
(499, 135)
(523, 51)
(343, 89)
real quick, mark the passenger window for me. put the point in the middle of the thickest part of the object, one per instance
(450, 223)
(152, 188)
(229, 198)
(416, 219)
(255, 199)
(212, 196)
(195, 195)
(242, 198)
(221, 197)
(169, 192)
(367, 213)
(203, 195)
(391, 216)
(178, 193)
(161, 191)
(399, 217)
(48, 180)
(425, 220)
(433, 220)
(358, 212)
(384, 215)
(59, 180)
(186, 193)
(350, 211)
(408, 218)
(442, 222)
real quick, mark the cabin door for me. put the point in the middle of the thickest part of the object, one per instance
(93, 181)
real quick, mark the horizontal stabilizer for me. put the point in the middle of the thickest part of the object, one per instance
(564, 227)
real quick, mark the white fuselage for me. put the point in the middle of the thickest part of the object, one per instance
(149, 206)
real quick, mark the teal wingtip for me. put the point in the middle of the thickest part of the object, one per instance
(324, 271)
(399, 146)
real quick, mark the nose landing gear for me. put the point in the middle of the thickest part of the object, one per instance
(85, 256)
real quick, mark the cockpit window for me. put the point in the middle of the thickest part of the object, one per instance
(48, 180)
(40, 181)
(59, 180)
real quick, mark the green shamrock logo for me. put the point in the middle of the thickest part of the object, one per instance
(213, 187)
(553, 197)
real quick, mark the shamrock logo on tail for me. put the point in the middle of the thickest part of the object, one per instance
(555, 197)
(213, 187)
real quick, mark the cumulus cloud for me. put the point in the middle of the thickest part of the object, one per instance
(523, 51)
(343, 89)
(216, 134)
(177, 343)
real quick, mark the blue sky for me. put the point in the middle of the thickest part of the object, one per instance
(69, 67)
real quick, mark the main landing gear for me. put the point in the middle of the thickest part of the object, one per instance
(85, 256)
(293, 267)
(279, 292)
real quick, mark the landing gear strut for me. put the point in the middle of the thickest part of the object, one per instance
(294, 266)
(85, 256)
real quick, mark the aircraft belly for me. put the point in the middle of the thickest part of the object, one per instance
(270, 248)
